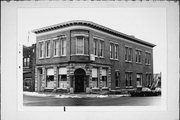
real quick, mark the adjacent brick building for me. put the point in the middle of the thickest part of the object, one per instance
(29, 61)
(82, 56)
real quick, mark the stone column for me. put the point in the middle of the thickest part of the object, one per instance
(90, 77)
(43, 82)
(109, 78)
(36, 80)
(100, 78)
(68, 80)
(55, 77)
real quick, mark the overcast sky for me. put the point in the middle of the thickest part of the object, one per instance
(148, 24)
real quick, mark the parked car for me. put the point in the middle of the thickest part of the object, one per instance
(144, 91)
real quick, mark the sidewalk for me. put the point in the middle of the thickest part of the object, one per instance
(83, 95)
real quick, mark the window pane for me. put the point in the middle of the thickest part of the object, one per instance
(80, 45)
(63, 47)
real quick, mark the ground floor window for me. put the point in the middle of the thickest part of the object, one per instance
(104, 77)
(128, 78)
(148, 79)
(62, 78)
(94, 78)
(139, 79)
(117, 78)
(50, 78)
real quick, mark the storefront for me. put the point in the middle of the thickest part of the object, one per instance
(73, 78)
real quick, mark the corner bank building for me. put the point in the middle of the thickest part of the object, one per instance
(82, 56)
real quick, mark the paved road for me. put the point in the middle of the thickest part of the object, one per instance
(120, 101)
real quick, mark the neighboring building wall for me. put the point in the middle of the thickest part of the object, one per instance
(29, 62)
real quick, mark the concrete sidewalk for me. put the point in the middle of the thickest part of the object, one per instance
(83, 95)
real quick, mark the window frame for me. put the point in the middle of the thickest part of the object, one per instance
(77, 46)
(48, 49)
(41, 49)
(129, 75)
(61, 47)
(128, 54)
(116, 49)
(111, 50)
(57, 41)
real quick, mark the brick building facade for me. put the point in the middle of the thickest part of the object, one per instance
(82, 56)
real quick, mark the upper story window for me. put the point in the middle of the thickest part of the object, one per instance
(116, 51)
(63, 47)
(80, 45)
(48, 49)
(148, 58)
(101, 48)
(26, 62)
(138, 56)
(95, 47)
(56, 48)
(41, 49)
(128, 54)
(111, 50)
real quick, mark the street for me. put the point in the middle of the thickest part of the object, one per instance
(108, 101)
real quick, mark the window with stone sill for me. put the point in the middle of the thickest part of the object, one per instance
(111, 50)
(128, 78)
(138, 56)
(95, 47)
(104, 77)
(63, 47)
(95, 78)
(62, 77)
(148, 58)
(41, 50)
(139, 79)
(48, 49)
(128, 54)
(117, 78)
(116, 51)
(101, 48)
(50, 78)
(56, 48)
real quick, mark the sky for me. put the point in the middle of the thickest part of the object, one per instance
(148, 24)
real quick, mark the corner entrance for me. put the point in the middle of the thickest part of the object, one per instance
(80, 75)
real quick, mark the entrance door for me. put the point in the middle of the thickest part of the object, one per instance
(79, 80)
(79, 83)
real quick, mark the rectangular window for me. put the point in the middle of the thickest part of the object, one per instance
(104, 77)
(28, 62)
(48, 49)
(50, 78)
(101, 48)
(24, 62)
(138, 56)
(95, 47)
(148, 80)
(128, 78)
(94, 77)
(116, 51)
(117, 78)
(62, 78)
(80, 45)
(63, 47)
(128, 54)
(56, 48)
(148, 58)
(41, 50)
(111, 50)
(139, 79)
